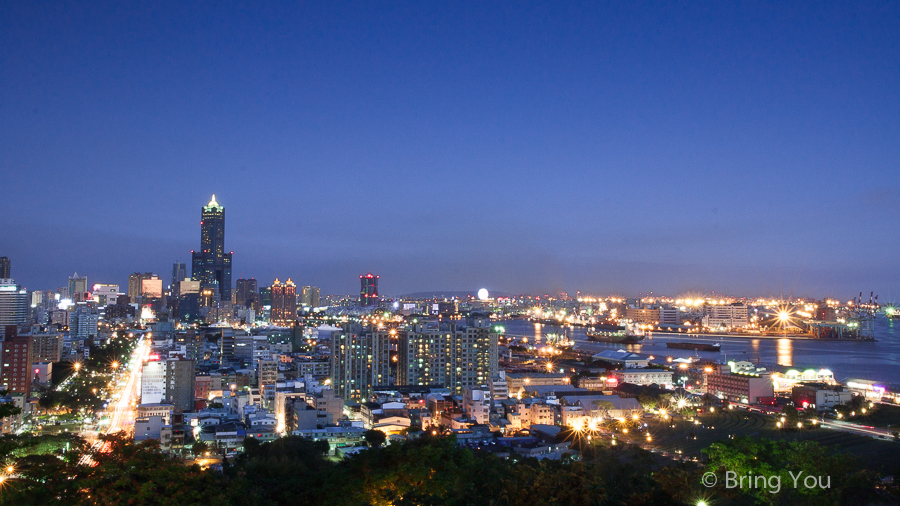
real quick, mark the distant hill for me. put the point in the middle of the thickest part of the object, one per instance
(448, 294)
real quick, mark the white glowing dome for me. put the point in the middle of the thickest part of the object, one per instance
(483, 294)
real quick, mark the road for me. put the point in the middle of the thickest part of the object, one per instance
(121, 411)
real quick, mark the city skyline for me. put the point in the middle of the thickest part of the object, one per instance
(749, 150)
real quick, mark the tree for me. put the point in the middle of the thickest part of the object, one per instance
(375, 438)
(7, 408)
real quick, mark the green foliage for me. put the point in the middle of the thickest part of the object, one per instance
(375, 438)
(762, 457)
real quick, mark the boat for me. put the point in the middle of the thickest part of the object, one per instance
(695, 346)
(618, 334)
(892, 312)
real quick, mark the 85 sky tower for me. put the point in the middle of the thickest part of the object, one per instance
(211, 266)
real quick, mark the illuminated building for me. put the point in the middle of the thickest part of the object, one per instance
(153, 381)
(17, 358)
(246, 293)
(83, 323)
(13, 303)
(151, 287)
(360, 359)
(77, 287)
(284, 302)
(46, 347)
(727, 316)
(105, 295)
(4, 268)
(309, 296)
(211, 266)
(739, 383)
(368, 290)
(455, 354)
(134, 284)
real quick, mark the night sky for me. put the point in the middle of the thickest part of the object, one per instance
(749, 149)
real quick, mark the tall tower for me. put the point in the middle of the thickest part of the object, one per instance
(368, 290)
(179, 273)
(211, 266)
(284, 302)
(4, 268)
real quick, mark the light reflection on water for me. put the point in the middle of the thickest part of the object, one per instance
(878, 361)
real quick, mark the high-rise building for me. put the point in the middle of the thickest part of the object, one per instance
(135, 284)
(310, 296)
(179, 274)
(180, 378)
(77, 286)
(16, 357)
(153, 382)
(46, 347)
(152, 287)
(104, 294)
(4, 268)
(13, 303)
(454, 354)
(360, 359)
(83, 322)
(246, 293)
(211, 266)
(284, 302)
(368, 290)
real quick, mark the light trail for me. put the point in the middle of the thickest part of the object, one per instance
(122, 414)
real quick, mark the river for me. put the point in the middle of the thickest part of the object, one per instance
(877, 361)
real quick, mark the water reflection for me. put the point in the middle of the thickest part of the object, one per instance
(785, 350)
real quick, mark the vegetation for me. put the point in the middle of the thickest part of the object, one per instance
(428, 470)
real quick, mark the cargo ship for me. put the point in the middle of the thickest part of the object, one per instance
(695, 346)
(618, 334)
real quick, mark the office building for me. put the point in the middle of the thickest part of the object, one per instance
(368, 290)
(5, 268)
(740, 384)
(726, 316)
(360, 359)
(284, 302)
(105, 295)
(153, 382)
(77, 287)
(179, 274)
(135, 284)
(180, 384)
(211, 266)
(246, 293)
(13, 303)
(267, 371)
(310, 296)
(152, 287)
(16, 357)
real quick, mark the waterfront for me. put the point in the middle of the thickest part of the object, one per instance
(879, 361)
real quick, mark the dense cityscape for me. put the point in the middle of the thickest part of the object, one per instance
(449, 253)
(202, 373)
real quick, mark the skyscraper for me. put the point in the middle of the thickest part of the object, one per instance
(135, 284)
(284, 302)
(211, 266)
(13, 303)
(310, 296)
(246, 293)
(179, 274)
(360, 359)
(4, 268)
(368, 290)
(17, 355)
(77, 286)
(454, 354)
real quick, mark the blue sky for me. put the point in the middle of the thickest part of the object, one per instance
(749, 148)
